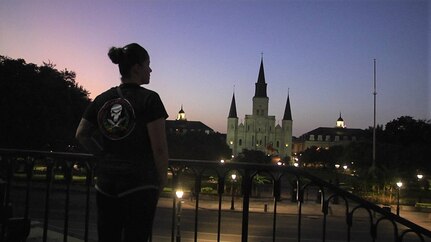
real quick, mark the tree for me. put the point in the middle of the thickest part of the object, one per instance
(253, 156)
(41, 105)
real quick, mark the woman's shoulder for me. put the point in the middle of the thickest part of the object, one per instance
(147, 91)
(105, 95)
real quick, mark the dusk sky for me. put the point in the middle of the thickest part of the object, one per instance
(322, 51)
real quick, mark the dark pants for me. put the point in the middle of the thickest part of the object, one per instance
(129, 218)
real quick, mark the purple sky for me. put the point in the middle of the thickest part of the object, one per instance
(321, 50)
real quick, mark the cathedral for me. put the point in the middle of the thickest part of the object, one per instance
(259, 130)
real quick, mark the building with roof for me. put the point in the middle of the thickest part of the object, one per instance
(182, 126)
(325, 137)
(259, 131)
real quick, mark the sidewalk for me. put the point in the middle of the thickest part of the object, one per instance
(256, 206)
(309, 208)
(36, 234)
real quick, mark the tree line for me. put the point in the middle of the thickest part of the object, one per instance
(402, 150)
(42, 106)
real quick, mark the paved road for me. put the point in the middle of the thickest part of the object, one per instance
(260, 223)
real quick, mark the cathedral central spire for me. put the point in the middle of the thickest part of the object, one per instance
(261, 84)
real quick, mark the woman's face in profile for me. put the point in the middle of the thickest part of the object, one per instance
(144, 72)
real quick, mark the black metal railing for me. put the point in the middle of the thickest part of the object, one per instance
(26, 170)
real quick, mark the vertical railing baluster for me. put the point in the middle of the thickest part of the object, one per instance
(277, 193)
(346, 204)
(349, 225)
(5, 191)
(325, 214)
(49, 178)
(299, 202)
(29, 164)
(88, 183)
(9, 175)
(220, 191)
(197, 191)
(174, 203)
(246, 186)
(67, 166)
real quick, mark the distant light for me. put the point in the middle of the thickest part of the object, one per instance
(279, 163)
(222, 161)
(296, 164)
(179, 193)
(399, 184)
(420, 176)
(231, 142)
(337, 166)
(287, 145)
(233, 176)
(345, 167)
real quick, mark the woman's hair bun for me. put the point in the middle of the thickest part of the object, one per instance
(115, 54)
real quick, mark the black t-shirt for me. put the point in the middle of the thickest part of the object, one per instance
(128, 162)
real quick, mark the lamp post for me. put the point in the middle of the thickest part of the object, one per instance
(336, 182)
(399, 185)
(420, 176)
(232, 202)
(179, 194)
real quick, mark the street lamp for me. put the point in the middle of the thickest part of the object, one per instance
(179, 194)
(420, 176)
(399, 185)
(232, 202)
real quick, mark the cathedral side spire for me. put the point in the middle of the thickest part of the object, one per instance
(232, 111)
(287, 111)
(261, 84)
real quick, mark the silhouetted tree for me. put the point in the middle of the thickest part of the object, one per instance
(41, 106)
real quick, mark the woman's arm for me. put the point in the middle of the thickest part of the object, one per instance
(84, 134)
(157, 134)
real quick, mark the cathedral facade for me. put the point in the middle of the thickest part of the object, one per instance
(259, 130)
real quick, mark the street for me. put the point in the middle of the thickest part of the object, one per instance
(259, 228)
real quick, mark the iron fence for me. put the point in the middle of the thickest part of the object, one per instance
(31, 167)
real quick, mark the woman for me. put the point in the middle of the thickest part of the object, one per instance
(125, 128)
